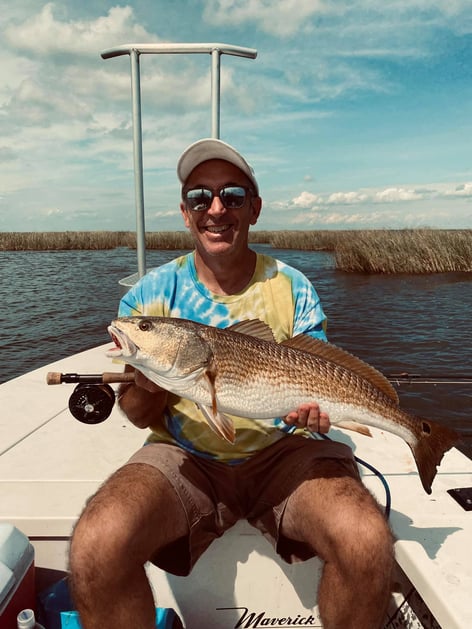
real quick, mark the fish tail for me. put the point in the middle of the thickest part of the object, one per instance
(432, 442)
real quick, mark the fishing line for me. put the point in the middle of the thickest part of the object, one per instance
(383, 480)
(380, 476)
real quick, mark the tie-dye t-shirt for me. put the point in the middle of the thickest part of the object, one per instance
(277, 294)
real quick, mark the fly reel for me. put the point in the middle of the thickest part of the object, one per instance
(92, 403)
(93, 398)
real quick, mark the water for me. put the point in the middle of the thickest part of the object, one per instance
(58, 303)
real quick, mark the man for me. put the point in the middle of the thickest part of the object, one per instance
(187, 486)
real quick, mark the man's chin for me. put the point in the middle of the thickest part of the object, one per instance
(215, 249)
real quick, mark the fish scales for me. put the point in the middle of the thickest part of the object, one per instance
(242, 371)
(288, 375)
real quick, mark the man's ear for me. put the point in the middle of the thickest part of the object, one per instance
(184, 215)
(256, 207)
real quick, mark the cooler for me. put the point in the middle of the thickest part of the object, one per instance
(17, 588)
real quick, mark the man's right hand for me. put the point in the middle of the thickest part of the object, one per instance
(143, 401)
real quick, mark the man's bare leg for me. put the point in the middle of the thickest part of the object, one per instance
(339, 518)
(135, 513)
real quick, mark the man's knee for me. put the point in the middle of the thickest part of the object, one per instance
(135, 512)
(373, 538)
(361, 520)
(104, 525)
(95, 540)
(340, 519)
(363, 545)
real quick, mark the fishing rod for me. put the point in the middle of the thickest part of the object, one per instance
(415, 378)
(55, 377)
(93, 398)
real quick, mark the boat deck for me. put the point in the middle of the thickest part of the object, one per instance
(50, 464)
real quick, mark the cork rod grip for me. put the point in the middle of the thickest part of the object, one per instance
(108, 377)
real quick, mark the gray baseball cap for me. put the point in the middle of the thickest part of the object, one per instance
(211, 148)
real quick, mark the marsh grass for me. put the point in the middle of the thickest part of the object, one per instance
(60, 241)
(323, 240)
(405, 251)
(95, 240)
(368, 251)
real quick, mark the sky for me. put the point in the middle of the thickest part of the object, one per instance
(354, 115)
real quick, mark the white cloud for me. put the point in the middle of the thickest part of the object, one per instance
(391, 207)
(284, 20)
(390, 195)
(43, 34)
(462, 190)
(343, 220)
(166, 214)
(7, 154)
(347, 198)
(31, 103)
(52, 212)
(369, 24)
(306, 199)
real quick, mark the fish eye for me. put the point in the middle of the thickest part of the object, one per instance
(145, 325)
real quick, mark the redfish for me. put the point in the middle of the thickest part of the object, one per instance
(243, 371)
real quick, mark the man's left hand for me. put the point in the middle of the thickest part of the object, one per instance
(309, 416)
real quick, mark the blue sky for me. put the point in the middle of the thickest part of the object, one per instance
(354, 114)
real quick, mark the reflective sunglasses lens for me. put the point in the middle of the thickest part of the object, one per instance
(233, 197)
(199, 199)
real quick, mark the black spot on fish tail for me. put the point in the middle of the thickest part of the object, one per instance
(429, 449)
(425, 427)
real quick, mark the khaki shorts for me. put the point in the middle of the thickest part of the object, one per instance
(216, 495)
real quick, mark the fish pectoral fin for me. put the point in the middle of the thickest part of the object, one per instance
(210, 377)
(220, 423)
(355, 426)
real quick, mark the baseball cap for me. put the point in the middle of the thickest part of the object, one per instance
(211, 148)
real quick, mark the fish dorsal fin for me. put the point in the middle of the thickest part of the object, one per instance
(254, 327)
(335, 354)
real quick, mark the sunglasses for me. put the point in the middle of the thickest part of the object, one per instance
(200, 199)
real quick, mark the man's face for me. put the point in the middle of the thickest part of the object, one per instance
(220, 230)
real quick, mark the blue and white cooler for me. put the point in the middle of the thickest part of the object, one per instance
(17, 587)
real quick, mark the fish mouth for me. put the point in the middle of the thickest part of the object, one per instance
(124, 346)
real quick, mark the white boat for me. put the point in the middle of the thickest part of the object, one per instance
(50, 464)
